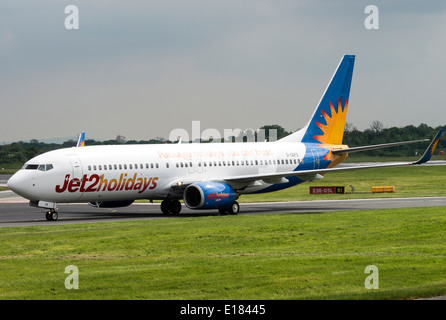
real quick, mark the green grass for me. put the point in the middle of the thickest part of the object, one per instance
(269, 256)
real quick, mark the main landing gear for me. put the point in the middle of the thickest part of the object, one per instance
(170, 206)
(51, 215)
(232, 210)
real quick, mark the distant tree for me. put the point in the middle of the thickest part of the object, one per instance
(376, 127)
(120, 139)
(349, 127)
(274, 128)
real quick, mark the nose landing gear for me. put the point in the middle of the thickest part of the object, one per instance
(51, 215)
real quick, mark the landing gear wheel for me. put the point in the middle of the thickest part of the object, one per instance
(51, 215)
(171, 206)
(165, 206)
(175, 207)
(234, 209)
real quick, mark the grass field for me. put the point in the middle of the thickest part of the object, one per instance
(269, 256)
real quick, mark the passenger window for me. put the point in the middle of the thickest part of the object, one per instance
(125, 167)
(115, 166)
(120, 167)
(94, 167)
(89, 168)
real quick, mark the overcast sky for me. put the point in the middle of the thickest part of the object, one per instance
(143, 68)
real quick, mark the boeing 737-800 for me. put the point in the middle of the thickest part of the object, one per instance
(211, 175)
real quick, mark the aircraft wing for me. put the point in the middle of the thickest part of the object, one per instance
(376, 146)
(280, 177)
(313, 174)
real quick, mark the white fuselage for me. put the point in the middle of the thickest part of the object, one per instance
(129, 172)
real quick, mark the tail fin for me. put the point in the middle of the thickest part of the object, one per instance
(327, 123)
(81, 141)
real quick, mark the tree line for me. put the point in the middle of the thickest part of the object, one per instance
(17, 153)
(377, 134)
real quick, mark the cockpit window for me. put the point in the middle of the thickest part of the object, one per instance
(41, 167)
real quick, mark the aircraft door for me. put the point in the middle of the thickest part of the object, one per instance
(196, 167)
(77, 171)
(199, 166)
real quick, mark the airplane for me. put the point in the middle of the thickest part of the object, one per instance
(203, 175)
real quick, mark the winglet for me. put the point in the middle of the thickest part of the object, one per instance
(81, 141)
(430, 150)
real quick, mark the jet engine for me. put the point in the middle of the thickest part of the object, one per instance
(209, 195)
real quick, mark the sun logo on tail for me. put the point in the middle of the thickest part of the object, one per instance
(333, 130)
(434, 145)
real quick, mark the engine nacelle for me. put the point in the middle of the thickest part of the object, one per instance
(209, 195)
(111, 204)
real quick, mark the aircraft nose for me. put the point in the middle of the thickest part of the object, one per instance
(19, 183)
